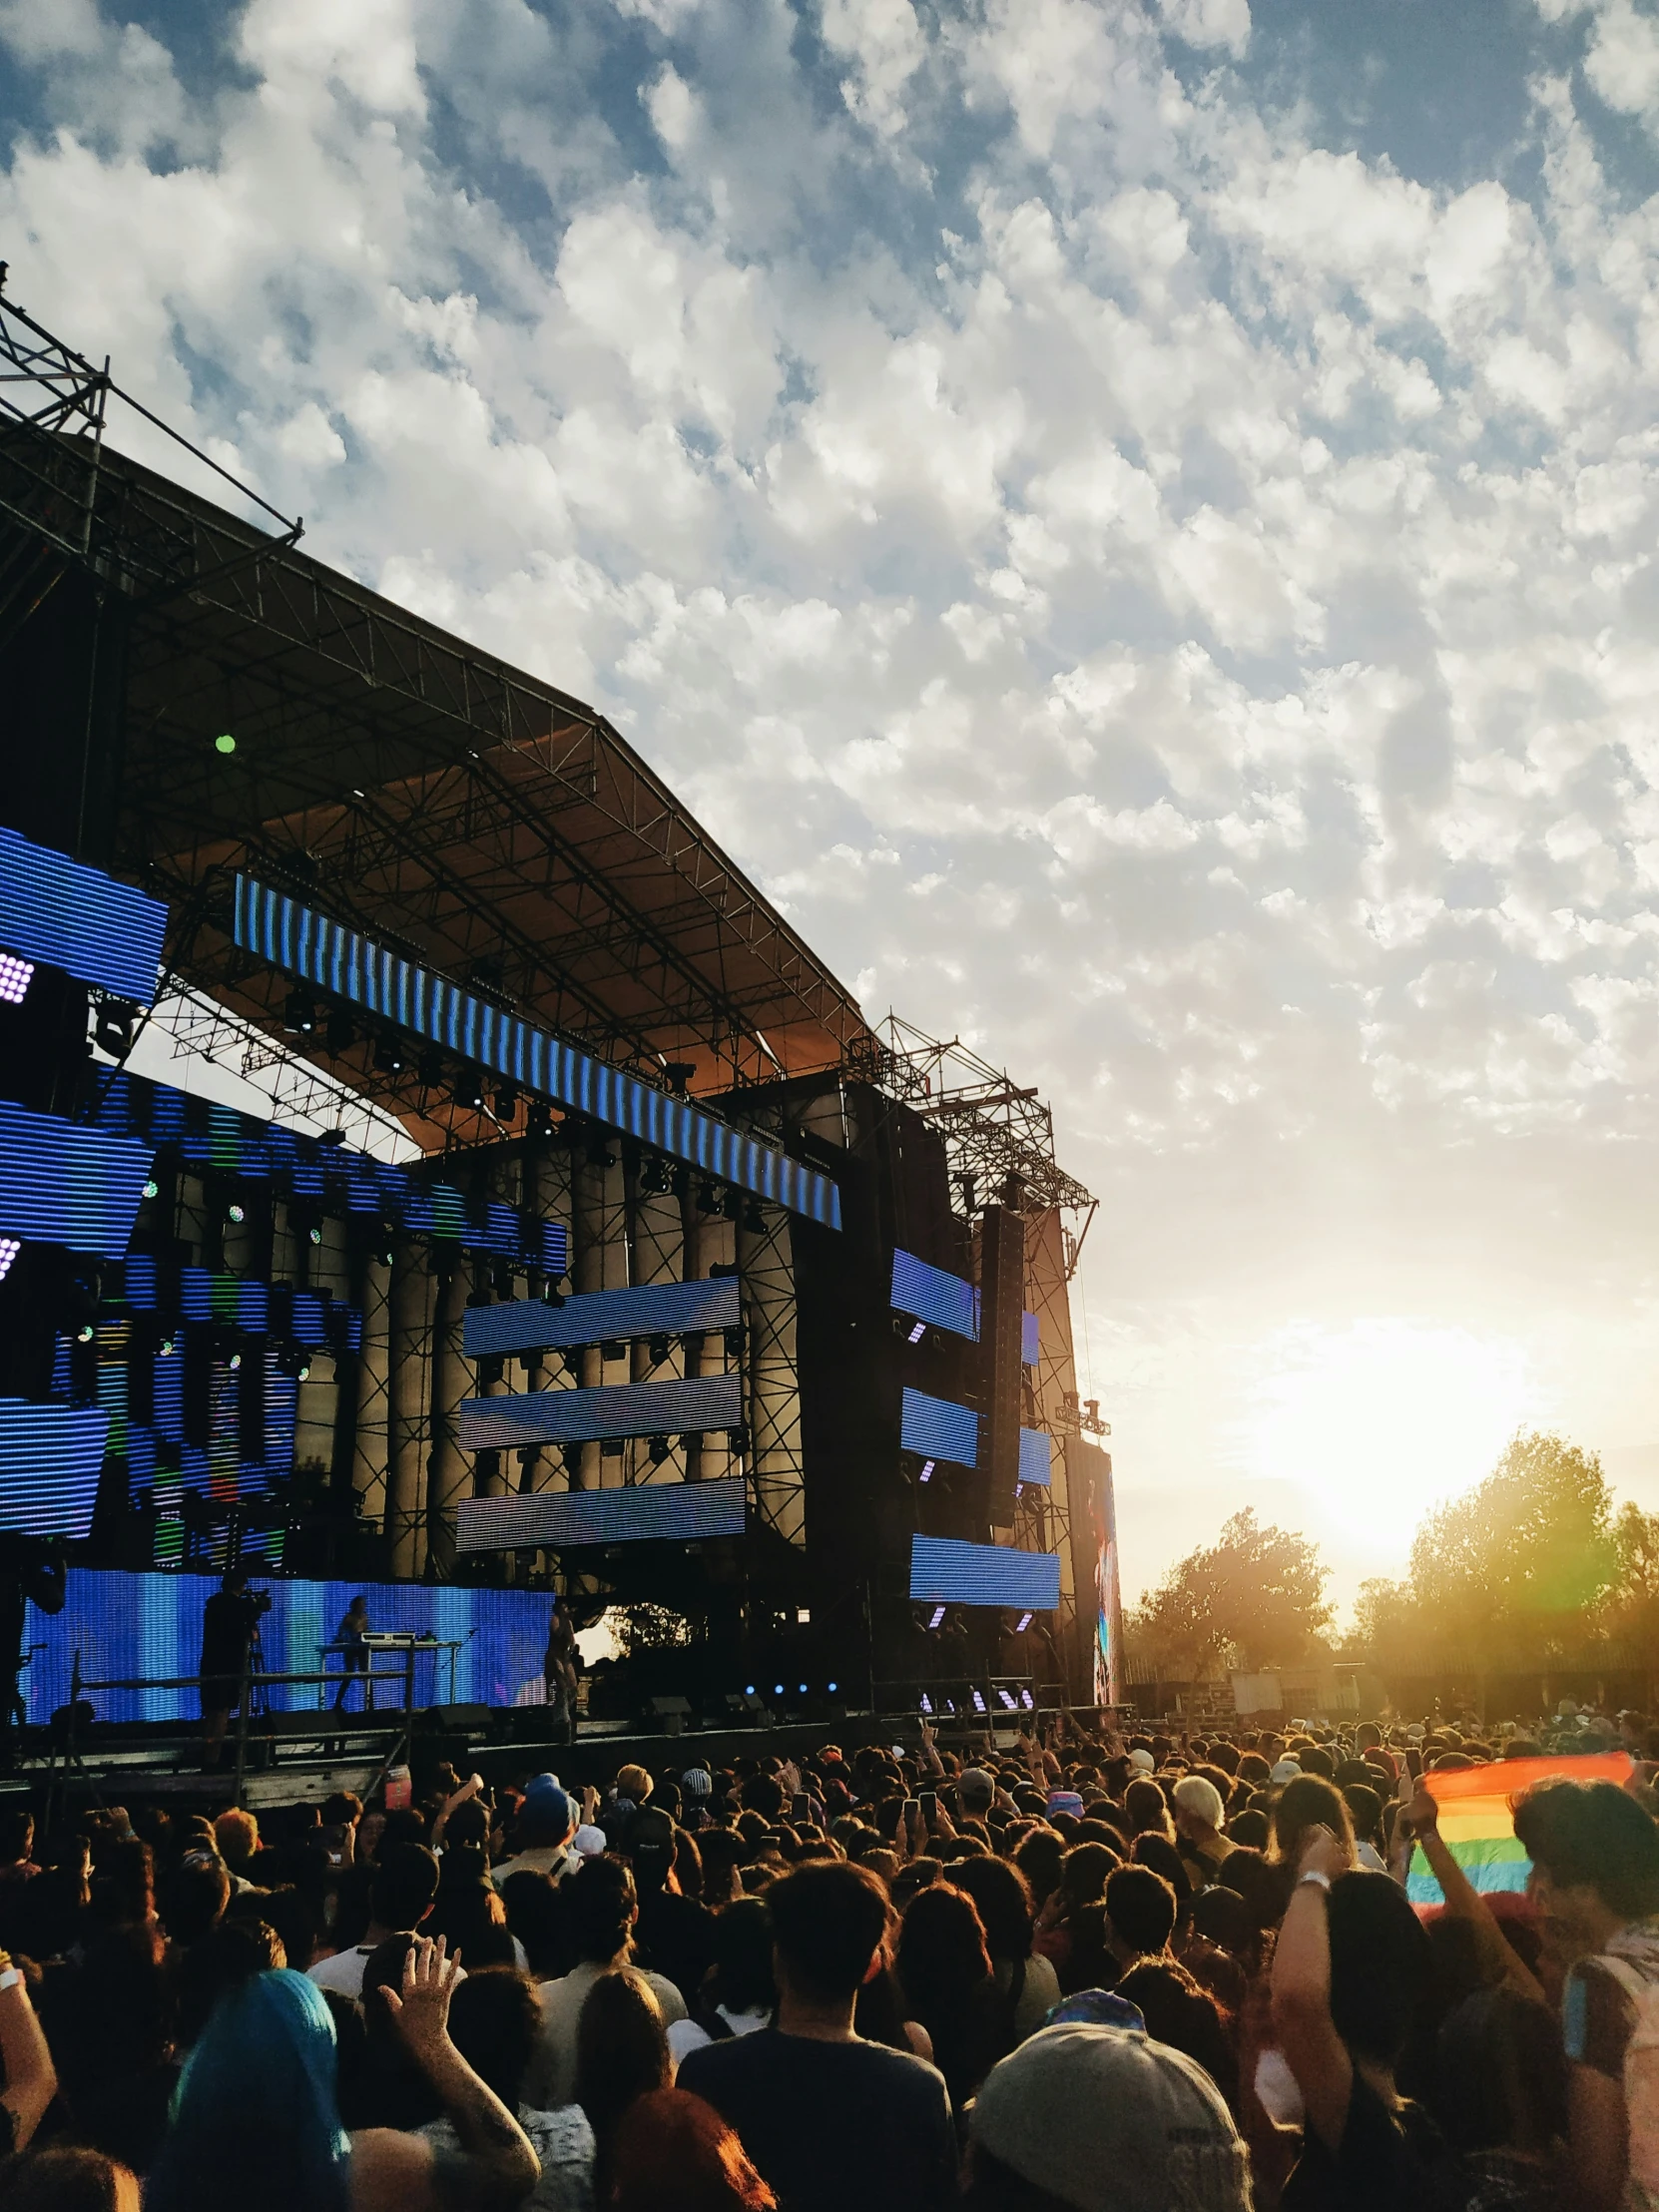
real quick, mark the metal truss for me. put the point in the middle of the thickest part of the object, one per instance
(992, 1129)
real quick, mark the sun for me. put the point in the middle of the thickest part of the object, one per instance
(1381, 1420)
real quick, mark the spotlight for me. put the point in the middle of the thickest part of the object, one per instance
(114, 1027)
(10, 1246)
(15, 977)
(538, 1119)
(658, 1450)
(167, 1343)
(926, 1702)
(734, 1343)
(235, 1212)
(778, 1689)
(656, 1351)
(85, 1333)
(234, 1362)
(430, 1068)
(655, 1179)
(1022, 1624)
(830, 1687)
(295, 1362)
(737, 1441)
(506, 1103)
(224, 743)
(613, 1348)
(731, 1204)
(927, 1466)
(754, 1221)
(1028, 1701)
(1009, 1701)
(573, 1459)
(391, 1058)
(802, 1691)
(917, 1332)
(152, 1188)
(339, 1032)
(501, 1282)
(679, 1073)
(708, 1199)
(978, 1702)
(553, 1296)
(935, 1619)
(469, 1087)
(299, 1014)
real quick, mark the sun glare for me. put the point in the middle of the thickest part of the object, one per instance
(1383, 1420)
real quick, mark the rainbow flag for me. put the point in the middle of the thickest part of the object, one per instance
(1478, 1828)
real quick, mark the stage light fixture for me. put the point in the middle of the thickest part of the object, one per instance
(85, 1333)
(340, 1032)
(657, 1349)
(659, 1449)
(391, 1058)
(430, 1068)
(935, 1618)
(234, 1362)
(917, 1332)
(1009, 1701)
(469, 1088)
(224, 743)
(1023, 1623)
(10, 1246)
(734, 1342)
(830, 1687)
(737, 1441)
(926, 1701)
(538, 1119)
(299, 1014)
(295, 1362)
(114, 1027)
(708, 1199)
(167, 1343)
(978, 1702)
(15, 977)
(732, 1204)
(613, 1348)
(778, 1689)
(235, 1212)
(152, 1188)
(927, 1466)
(754, 1221)
(1028, 1701)
(553, 1296)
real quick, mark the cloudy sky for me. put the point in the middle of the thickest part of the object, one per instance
(1134, 521)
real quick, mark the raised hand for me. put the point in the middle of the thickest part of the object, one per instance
(420, 2012)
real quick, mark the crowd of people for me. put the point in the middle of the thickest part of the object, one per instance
(1153, 1973)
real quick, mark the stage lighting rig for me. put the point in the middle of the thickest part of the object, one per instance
(295, 1362)
(469, 1088)
(10, 1246)
(15, 977)
(656, 1350)
(339, 1032)
(506, 1103)
(299, 1014)
(114, 1025)
(658, 1450)
(391, 1056)
(430, 1068)
(754, 1221)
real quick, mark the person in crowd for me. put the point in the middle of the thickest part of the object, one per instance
(1500, 2096)
(678, 2155)
(400, 1897)
(66, 2178)
(601, 1908)
(1026, 1983)
(353, 1654)
(1102, 2119)
(738, 1994)
(546, 1823)
(1306, 1802)
(493, 2022)
(1200, 1817)
(230, 1627)
(675, 1931)
(236, 1834)
(257, 2121)
(621, 2055)
(945, 1972)
(1594, 1884)
(1083, 1873)
(784, 2087)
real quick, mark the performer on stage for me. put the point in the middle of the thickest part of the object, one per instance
(229, 1630)
(561, 1670)
(354, 1653)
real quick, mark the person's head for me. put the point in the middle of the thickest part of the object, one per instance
(941, 1955)
(1083, 1873)
(1003, 1899)
(493, 2022)
(1140, 1912)
(17, 1834)
(1102, 2119)
(1595, 1858)
(536, 1916)
(358, 1607)
(1178, 2013)
(1221, 1916)
(238, 1836)
(632, 1783)
(345, 1809)
(547, 1818)
(651, 1849)
(975, 1790)
(1382, 1968)
(1146, 1809)
(234, 1583)
(194, 1896)
(63, 2180)
(404, 1885)
(601, 1907)
(830, 1925)
(1308, 1800)
(226, 1958)
(743, 1957)
(1199, 1811)
(473, 1915)
(677, 2154)
(1500, 2078)
(255, 2123)
(621, 2054)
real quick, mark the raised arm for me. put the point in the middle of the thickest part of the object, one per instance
(1421, 1819)
(1314, 2051)
(31, 2079)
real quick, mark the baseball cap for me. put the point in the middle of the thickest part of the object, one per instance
(1142, 1762)
(1286, 1770)
(1110, 2122)
(978, 1783)
(1066, 1801)
(547, 1807)
(589, 1841)
(698, 1781)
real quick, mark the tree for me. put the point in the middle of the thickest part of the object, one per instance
(1633, 1602)
(1252, 1599)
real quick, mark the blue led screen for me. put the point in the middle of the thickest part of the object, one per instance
(948, 1302)
(218, 1139)
(601, 1316)
(238, 1302)
(68, 1186)
(946, 1571)
(1036, 1446)
(50, 1458)
(54, 909)
(127, 1625)
(937, 1429)
(672, 1409)
(675, 1512)
(307, 944)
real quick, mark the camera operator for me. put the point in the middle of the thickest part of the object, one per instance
(230, 1629)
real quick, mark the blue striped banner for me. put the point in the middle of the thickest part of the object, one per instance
(671, 1408)
(600, 1317)
(59, 912)
(946, 1571)
(675, 1512)
(63, 1185)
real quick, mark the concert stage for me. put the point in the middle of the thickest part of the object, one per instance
(593, 1240)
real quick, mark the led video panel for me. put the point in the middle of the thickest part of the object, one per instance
(946, 1571)
(338, 960)
(937, 1429)
(601, 1316)
(63, 1185)
(676, 1408)
(130, 1625)
(948, 1302)
(53, 909)
(1035, 1448)
(50, 1460)
(673, 1513)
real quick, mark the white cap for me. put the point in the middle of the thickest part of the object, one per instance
(1142, 1762)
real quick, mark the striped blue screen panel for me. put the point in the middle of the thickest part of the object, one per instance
(238, 1302)
(601, 1316)
(946, 1571)
(947, 1301)
(53, 909)
(306, 943)
(129, 1625)
(939, 1428)
(204, 1134)
(68, 1186)
(1034, 1448)
(50, 1460)
(675, 1408)
(675, 1512)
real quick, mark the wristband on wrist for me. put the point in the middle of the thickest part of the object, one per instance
(1320, 1881)
(10, 1978)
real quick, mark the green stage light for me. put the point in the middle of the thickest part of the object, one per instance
(224, 743)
